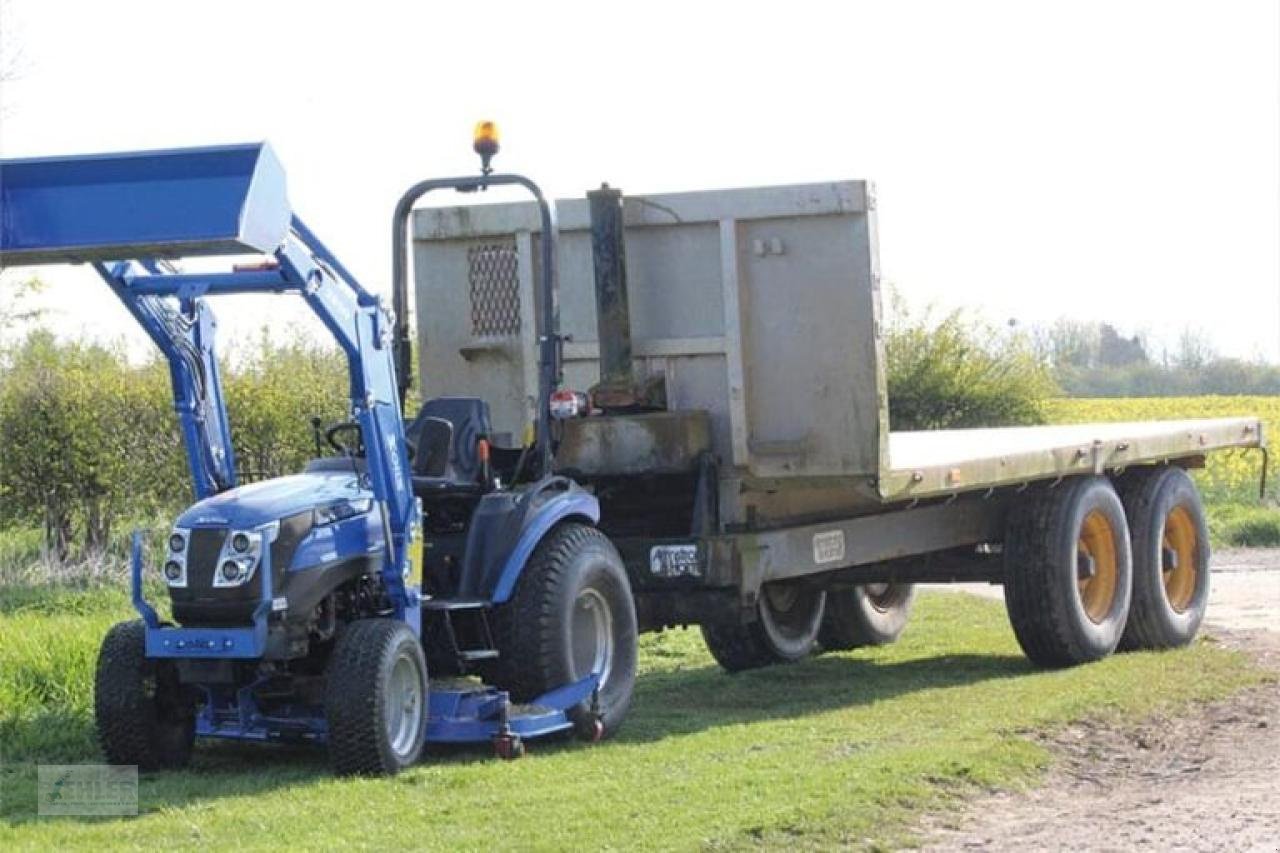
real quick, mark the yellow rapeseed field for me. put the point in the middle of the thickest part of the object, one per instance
(1229, 475)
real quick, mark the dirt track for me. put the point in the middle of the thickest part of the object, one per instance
(1208, 779)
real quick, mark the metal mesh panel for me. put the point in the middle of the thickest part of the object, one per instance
(495, 290)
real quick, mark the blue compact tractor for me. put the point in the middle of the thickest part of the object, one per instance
(300, 609)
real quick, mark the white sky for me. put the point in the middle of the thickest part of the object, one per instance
(1101, 160)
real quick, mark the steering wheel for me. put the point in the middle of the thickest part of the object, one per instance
(332, 433)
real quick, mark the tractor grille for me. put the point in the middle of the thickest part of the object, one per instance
(202, 556)
(493, 273)
(200, 604)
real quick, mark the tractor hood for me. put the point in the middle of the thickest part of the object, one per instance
(255, 504)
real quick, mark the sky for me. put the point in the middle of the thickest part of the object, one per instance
(1114, 161)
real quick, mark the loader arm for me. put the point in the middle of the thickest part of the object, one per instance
(129, 214)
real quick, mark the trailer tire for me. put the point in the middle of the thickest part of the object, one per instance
(1068, 572)
(572, 614)
(1170, 558)
(375, 700)
(143, 715)
(785, 630)
(867, 615)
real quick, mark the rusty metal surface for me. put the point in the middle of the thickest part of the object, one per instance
(649, 443)
(939, 462)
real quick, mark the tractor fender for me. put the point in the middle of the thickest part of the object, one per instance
(506, 528)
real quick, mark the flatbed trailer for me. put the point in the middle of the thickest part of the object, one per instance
(737, 433)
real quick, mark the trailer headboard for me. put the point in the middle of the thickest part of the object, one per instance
(759, 305)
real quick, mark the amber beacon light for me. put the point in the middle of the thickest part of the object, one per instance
(485, 143)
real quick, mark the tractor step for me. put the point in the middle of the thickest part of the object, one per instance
(465, 626)
(452, 604)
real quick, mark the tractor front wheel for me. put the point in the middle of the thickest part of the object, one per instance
(144, 716)
(376, 698)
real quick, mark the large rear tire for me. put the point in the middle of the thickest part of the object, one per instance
(572, 615)
(144, 716)
(1170, 558)
(376, 698)
(788, 618)
(869, 615)
(1068, 572)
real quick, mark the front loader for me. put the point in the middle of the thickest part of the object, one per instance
(300, 606)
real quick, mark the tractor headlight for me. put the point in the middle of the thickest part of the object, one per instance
(241, 554)
(175, 566)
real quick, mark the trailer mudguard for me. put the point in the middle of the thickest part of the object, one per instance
(507, 526)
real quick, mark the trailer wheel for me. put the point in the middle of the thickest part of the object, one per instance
(572, 615)
(375, 698)
(1170, 558)
(144, 716)
(871, 615)
(1068, 572)
(789, 616)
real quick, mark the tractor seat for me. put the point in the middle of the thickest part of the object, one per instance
(446, 437)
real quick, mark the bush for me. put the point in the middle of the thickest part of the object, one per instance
(1245, 525)
(959, 372)
(89, 439)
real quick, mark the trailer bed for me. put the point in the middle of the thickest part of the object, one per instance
(939, 462)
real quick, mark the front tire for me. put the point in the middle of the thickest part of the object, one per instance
(1068, 572)
(376, 698)
(572, 615)
(1170, 559)
(788, 618)
(144, 716)
(868, 615)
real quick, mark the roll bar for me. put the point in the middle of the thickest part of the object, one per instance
(550, 343)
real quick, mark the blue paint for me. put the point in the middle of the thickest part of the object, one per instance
(107, 207)
(571, 504)
(270, 500)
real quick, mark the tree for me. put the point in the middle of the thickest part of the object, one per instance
(1194, 350)
(1115, 350)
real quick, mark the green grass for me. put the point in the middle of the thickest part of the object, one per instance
(1244, 525)
(841, 750)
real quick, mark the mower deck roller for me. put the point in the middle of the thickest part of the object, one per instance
(225, 200)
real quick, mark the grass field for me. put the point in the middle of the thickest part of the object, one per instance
(844, 749)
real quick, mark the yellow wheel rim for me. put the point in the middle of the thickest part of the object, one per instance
(1096, 566)
(1178, 558)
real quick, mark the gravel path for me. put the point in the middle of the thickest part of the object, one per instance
(1207, 779)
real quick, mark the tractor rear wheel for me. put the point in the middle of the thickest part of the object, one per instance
(1170, 558)
(789, 616)
(375, 699)
(1068, 572)
(144, 716)
(572, 615)
(871, 615)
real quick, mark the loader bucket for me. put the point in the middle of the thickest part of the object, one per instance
(222, 200)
